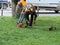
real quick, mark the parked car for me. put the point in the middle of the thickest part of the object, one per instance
(5, 4)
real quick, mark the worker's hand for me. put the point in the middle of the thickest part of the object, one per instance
(34, 21)
(28, 23)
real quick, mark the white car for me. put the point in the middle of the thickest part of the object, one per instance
(47, 4)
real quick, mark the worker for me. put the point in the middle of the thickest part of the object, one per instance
(23, 14)
(18, 9)
(33, 16)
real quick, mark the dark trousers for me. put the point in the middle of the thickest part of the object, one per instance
(30, 19)
(33, 17)
(27, 17)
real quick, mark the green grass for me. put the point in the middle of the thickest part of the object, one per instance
(11, 34)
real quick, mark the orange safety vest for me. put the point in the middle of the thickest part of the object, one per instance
(24, 3)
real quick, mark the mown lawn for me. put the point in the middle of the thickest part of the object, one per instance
(11, 34)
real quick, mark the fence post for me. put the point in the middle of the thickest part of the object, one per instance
(2, 9)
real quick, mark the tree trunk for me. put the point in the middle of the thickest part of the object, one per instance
(13, 9)
(16, 10)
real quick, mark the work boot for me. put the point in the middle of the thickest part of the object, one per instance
(28, 26)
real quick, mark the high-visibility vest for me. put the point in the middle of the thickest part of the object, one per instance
(24, 3)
